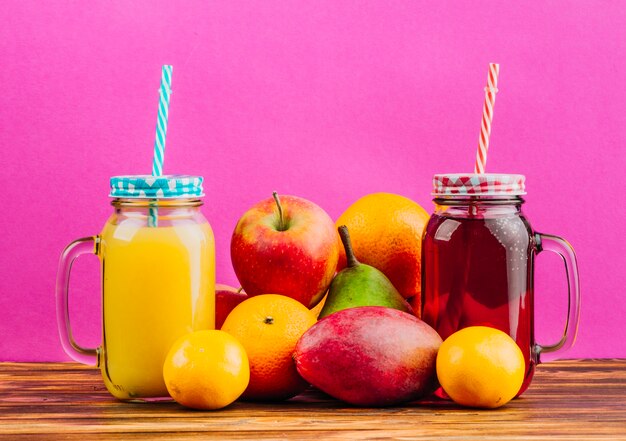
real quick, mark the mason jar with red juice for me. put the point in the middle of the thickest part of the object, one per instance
(478, 257)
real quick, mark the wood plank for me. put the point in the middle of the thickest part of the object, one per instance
(574, 399)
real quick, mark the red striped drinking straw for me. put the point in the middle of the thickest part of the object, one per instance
(485, 126)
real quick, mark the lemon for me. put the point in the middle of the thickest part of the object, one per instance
(480, 366)
(206, 370)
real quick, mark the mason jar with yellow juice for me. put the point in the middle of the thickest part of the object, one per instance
(157, 255)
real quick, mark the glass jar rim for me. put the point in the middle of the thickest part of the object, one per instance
(190, 201)
(467, 199)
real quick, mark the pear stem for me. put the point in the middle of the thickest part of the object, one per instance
(347, 245)
(281, 219)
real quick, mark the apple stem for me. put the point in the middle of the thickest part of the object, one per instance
(240, 289)
(347, 245)
(281, 219)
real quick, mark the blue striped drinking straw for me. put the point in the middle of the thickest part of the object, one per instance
(161, 131)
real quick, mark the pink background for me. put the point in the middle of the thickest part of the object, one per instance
(328, 100)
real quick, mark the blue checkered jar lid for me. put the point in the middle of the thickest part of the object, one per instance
(156, 187)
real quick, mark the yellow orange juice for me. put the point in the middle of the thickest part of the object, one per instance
(158, 284)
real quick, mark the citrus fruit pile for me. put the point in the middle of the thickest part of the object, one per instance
(370, 348)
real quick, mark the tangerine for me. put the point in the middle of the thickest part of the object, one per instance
(269, 326)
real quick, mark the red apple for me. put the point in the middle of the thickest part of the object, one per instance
(287, 246)
(226, 298)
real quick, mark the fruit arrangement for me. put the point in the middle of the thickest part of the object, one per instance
(332, 304)
(335, 306)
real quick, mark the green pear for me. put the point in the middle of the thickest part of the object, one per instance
(360, 285)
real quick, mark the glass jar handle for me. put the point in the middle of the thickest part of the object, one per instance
(547, 242)
(86, 245)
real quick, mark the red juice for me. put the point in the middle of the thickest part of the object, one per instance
(477, 263)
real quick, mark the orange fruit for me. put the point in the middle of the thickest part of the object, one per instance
(206, 370)
(480, 367)
(269, 326)
(318, 308)
(386, 232)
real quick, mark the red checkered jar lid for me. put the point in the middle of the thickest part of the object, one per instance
(474, 184)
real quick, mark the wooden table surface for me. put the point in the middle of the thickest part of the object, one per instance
(574, 399)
